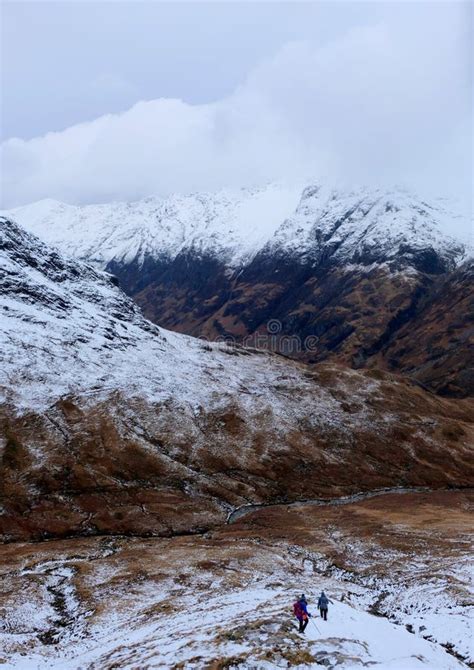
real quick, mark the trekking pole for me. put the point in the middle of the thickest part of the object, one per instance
(315, 626)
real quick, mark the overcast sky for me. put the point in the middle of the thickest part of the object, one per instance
(118, 100)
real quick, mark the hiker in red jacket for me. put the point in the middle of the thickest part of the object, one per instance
(300, 611)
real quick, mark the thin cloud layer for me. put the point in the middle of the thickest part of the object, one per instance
(384, 103)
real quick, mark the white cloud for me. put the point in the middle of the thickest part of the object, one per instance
(385, 102)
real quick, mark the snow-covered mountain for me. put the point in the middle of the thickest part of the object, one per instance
(367, 226)
(350, 270)
(233, 225)
(363, 225)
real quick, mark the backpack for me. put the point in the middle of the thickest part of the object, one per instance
(298, 612)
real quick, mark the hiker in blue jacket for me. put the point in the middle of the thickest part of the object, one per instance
(300, 610)
(323, 603)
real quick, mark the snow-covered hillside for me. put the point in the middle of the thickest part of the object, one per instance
(363, 225)
(225, 601)
(250, 629)
(66, 328)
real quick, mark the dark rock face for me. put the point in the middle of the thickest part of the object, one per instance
(437, 344)
(417, 321)
(183, 292)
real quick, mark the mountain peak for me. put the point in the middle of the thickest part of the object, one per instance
(362, 225)
(366, 226)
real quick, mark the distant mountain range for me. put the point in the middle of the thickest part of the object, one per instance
(368, 277)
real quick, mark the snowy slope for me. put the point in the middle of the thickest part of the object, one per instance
(234, 616)
(367, 226)
(363, 225)
(232, 224)
(66, 328)
(350, 639)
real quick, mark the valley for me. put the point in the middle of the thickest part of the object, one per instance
(164, 499)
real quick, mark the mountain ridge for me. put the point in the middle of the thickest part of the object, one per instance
(249, 218)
